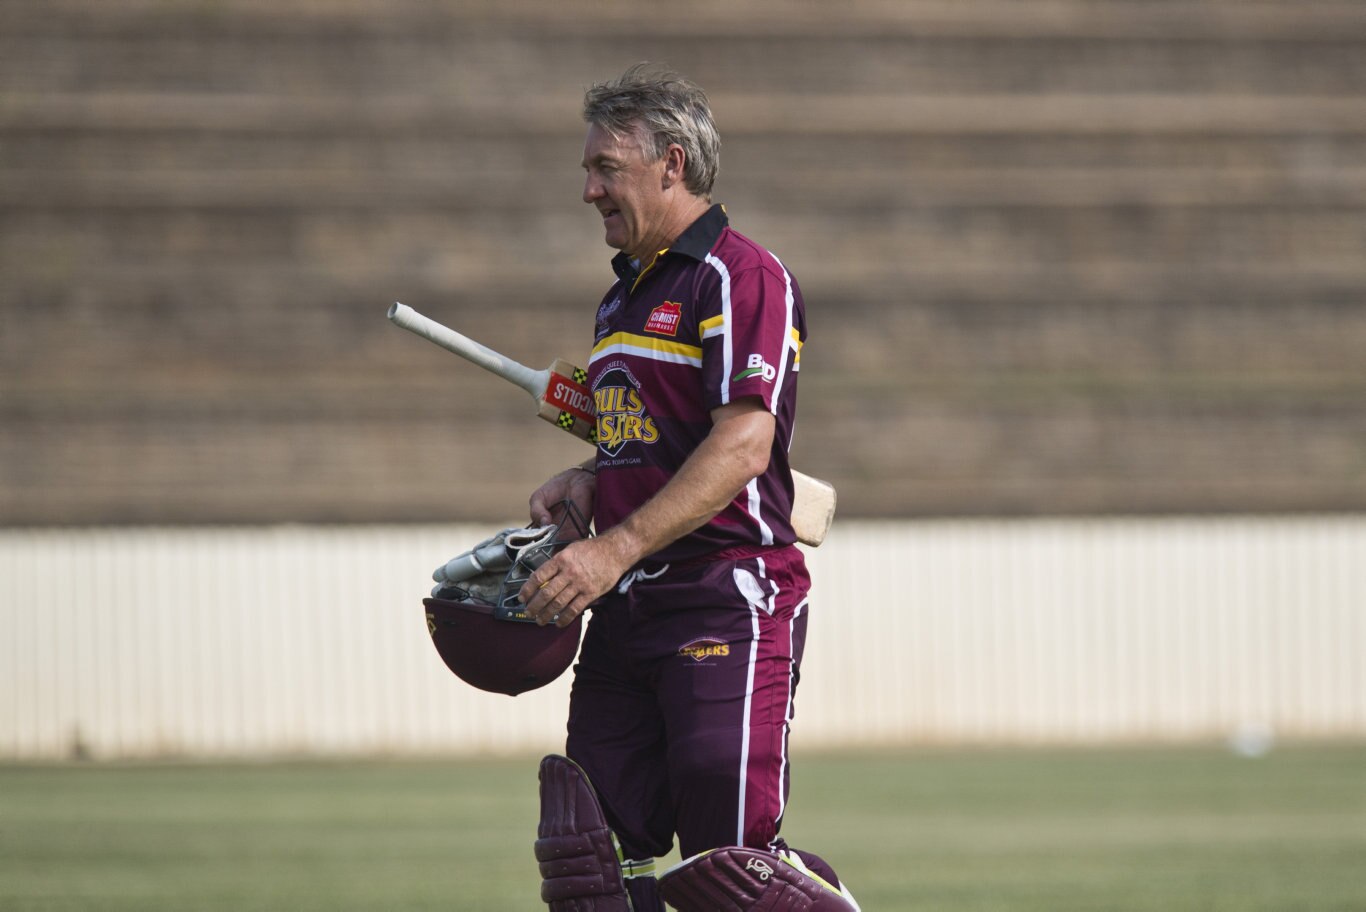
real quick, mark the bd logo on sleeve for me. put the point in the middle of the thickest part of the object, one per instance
(757, 367)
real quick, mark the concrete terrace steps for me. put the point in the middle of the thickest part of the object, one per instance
(866, 113)
(884, 186)
(1168, 20)
(1064, 256)
(942, 48)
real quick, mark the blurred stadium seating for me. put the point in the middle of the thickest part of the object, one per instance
(1059, 257)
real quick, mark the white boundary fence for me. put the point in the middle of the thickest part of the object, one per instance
(265, 641)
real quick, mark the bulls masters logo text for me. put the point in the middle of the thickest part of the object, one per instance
(622, 417)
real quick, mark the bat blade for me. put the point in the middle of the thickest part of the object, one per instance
(813, 508)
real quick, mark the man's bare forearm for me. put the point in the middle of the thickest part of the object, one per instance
(737, 449)
(734, 453)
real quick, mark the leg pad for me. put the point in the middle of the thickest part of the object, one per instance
(577, 851)
(737, 879)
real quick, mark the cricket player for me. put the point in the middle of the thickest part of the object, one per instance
(683, 693)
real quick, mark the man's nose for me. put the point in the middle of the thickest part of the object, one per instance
(592, 189)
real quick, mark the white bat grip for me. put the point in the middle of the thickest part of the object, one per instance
(533, 381)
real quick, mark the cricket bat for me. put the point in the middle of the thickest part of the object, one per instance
(564, 399)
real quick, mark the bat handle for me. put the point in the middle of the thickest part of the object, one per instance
(533, 381)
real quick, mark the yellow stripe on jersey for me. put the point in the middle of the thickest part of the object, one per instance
(647, 347)
(712, 326)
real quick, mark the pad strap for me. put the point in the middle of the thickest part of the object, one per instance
(580, 859)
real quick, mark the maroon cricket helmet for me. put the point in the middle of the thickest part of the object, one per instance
(494, 649)
(483, 633)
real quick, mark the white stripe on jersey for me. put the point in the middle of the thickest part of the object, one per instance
(788, 344)
(728, 357)
(756, 511)
(641, 351)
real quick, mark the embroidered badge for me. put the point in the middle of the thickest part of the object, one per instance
(665, 318)
(704, 648)
(606, 310)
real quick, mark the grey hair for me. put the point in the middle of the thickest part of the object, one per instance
(668, 108)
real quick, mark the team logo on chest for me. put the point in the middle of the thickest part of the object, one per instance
(622, 416)
(664, 319)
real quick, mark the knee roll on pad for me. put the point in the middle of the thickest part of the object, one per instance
(577, 851)
(736, 879)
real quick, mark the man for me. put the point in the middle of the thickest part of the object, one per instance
(683, 693)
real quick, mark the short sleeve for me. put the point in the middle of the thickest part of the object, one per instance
(750, 338)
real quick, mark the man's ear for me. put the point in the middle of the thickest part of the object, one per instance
(675, 159)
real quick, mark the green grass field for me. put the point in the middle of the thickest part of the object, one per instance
(1133, 829)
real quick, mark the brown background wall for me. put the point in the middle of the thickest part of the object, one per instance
(1059, 257)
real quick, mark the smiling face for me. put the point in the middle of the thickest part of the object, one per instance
(630, 191)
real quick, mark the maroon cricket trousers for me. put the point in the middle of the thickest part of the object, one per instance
(683, 698)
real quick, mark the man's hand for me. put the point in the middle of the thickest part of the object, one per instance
(575, 484)
(565, 586)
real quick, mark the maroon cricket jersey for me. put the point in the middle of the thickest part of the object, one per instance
(714, 319)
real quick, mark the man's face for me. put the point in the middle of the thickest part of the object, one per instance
(627, 189)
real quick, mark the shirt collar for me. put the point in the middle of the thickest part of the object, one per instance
(696, 241)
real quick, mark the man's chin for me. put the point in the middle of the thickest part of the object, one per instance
(614, 231)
